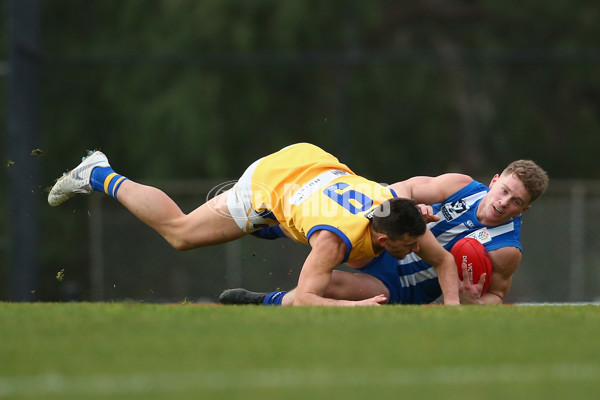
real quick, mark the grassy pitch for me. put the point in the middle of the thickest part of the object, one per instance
(141, 351)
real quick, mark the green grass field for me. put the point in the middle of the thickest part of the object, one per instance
(142, 351)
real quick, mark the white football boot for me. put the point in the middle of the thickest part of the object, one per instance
(77, 181)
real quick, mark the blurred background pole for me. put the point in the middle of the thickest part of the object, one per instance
(23, 28)
(344, 139)
(577, 251)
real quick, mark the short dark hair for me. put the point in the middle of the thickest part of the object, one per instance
(398, 216)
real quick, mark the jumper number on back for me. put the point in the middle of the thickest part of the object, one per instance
(351, 200)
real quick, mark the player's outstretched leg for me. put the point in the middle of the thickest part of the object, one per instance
(209, 224)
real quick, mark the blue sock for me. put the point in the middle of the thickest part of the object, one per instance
(274, 298)
(104, 179)
(269, 232)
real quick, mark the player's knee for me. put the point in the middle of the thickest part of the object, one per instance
(177, 242)
(177, 236)
(181, 245)
(336, 285)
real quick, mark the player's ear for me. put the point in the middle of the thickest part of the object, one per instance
(382, 238)
(494, 179)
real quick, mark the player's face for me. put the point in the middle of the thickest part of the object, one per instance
(506, 200)
(402, 247)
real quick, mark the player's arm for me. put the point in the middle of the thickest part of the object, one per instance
(431, 190)
(328, 251)
(505, 262)
(434, 254)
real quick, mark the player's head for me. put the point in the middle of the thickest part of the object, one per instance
(533, 177)
(398, 224)
(512, 192)
(398, 216)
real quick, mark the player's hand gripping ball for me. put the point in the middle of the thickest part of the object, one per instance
(476, 257)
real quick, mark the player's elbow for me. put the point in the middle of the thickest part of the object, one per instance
(494, 297)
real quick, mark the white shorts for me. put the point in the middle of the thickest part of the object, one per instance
(239, 203)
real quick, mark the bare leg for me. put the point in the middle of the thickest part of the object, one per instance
(347, 286)
(207, 225)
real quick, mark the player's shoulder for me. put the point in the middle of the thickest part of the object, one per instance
(506, 252)
(455, 179)
(505, 259)
(452, 183)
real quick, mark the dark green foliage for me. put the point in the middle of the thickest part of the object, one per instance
(394, 88)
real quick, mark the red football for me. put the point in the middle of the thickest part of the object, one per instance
(478, 262)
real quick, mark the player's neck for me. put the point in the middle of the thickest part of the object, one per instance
(377, 248)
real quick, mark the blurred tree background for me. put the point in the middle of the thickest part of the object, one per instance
(188, 89)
